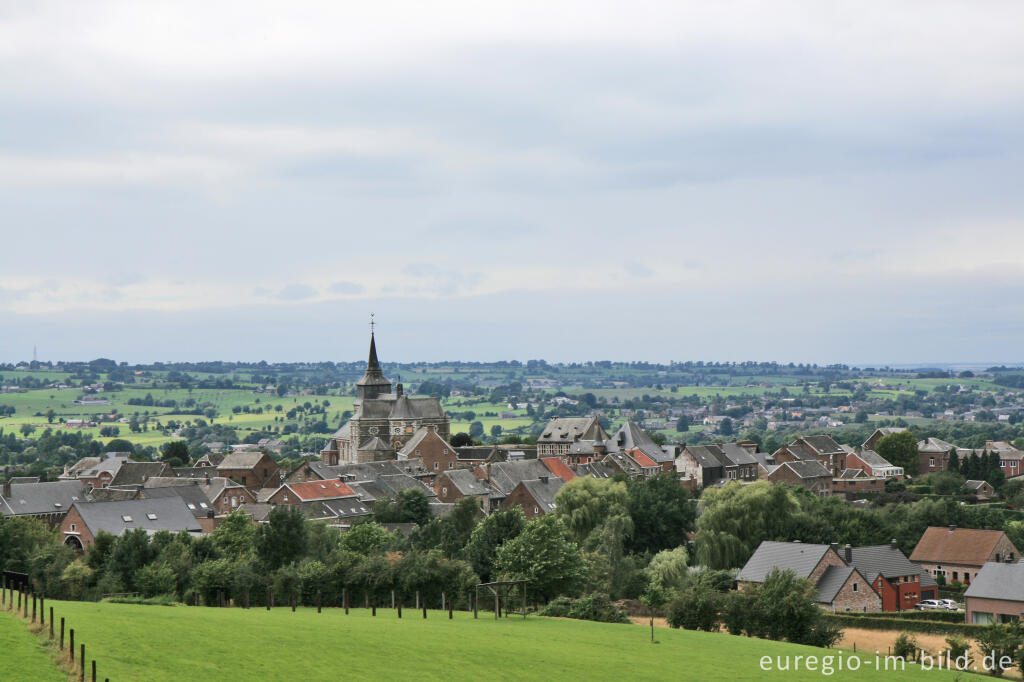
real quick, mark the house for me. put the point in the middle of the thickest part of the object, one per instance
(310, 491)
(86, 519)
(503, 477)
(48, 501)
(96, 472)
(952, 554)
(821, 448)
(879, 434)
(982, 489)
(872, 464)
(900, 583)
(560, 433)
(210, 459)
(452, 486)
(810, 474)
(631, 437)
(996, 595)
(535, 496)
(427, 445)
(254, 469)
(854, 482)
(840, 587)
(137, 473)
(933, 455)
(712, 464)
(632, 463)
(1010, 458)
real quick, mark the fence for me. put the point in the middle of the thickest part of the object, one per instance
(23, 591)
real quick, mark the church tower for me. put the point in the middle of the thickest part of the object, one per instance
(373, 383)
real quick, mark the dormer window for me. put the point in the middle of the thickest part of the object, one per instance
(126, 518)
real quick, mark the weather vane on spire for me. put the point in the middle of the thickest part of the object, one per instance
(371, 323)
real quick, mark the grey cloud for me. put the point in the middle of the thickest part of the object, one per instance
(296, 292)
(346, 288)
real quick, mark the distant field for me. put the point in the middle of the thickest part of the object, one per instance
(22, 657)
(156, 643)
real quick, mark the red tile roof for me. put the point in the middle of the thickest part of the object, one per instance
(558, 468)
(968, 546)
(320, 490)
(642, 459)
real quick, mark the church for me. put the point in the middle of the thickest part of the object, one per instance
(384, 420)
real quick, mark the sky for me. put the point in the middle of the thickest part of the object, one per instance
(793, 181)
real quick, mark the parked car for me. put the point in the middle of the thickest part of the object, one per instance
(927, 604)
(950, 604)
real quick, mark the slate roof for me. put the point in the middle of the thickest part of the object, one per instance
(998, 581)
(823, 444)
(319, 490)
(632, 437)
(374, 444)
(707, 456)
(873, 459)
(245, 459)
(257, 512)
(476, 453)
(421, 434)
(967, 546)
(808, 469)
(136, 473)
(396, 482)
(466, 483)
(799, 557)
(887, 561)
(170, 514)
(934, 445)
(595, 469)
(736, 454)
(507, 475)
(852, 473)
(569, 430)
(971, 484)
(544, 491)
(196, 501)
(801, 452)
(832, 580)
(42, 498)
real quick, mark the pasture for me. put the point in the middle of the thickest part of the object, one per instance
(155, 643)
(23, 658)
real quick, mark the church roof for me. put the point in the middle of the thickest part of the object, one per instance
(373, 376)
(374, 444)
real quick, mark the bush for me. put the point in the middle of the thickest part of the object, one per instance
(695, 609)
(161, 600)
(958, 646)
(905, 647)
(596, 607)
(881, 621)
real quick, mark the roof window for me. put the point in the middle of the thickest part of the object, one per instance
(126, 518)
(151, 516)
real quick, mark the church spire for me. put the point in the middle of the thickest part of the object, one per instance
(373, 382)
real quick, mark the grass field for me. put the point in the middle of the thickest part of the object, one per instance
(154, 643)
(22, 657)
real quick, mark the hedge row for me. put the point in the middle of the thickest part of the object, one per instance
(902, 624)
(938, 615)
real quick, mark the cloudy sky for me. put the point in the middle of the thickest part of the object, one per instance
(809, 181)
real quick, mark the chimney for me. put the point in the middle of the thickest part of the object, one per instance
(893, 544)
(7, 488)
(834, 546)
(488, 479)
(543, 479)
(398, 390)
(209, 513)
(848, 553)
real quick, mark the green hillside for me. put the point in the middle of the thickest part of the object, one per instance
(22, 656)
(157, 643)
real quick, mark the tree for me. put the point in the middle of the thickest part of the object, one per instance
(683, 424)
(365, 538)
(668, 568)
(654, 598)
(1000, 642)
(496, 430)
(476, 429)
(861, 417)
(662, 513)
(461, 440)
(584, 503)
(954, 461)
(695, 609)
(283, 539)
(545, 555)
(410, 505)
(27, 429)
(488, 537)
(119, 445)
(235, 537)
(176, 450)
(900, 449)
(725, 427)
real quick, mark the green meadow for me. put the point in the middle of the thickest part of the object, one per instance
(23, 658)
(155, 643)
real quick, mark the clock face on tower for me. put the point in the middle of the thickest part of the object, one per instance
(396, 430)
(374, 430)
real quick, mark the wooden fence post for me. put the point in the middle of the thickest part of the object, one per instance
(318, 601)
(374, 606)
(51, 622)
(42, 610)
(476, 603)
(94, 670)
(62, 633)
(424, 609)
(450, 607)
(270, 597)
(442, 601)
(33, 608)
(294, 600)
(417, 600)
(392, 599)
(71, 648)
(497, 605)
(81, 665)
(344, 598)
(399, 608)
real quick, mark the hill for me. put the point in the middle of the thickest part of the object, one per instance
(22, 657)
(155, 643)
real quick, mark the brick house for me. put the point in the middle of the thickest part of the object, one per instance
(310, 491)
(823, 449)
(452, 486)
(536, 497)
(251, 468)
(435, 452)
(872, 464)
(47, 501)
(86, 519)
(810, 474)
(957, 554)
(855, 482)
(879, 434)
(561, 433)
(982, 489)
(900, 583)
(933, 455)
(996, 595)
(840, 587)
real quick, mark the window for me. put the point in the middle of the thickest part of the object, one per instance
(444, 451)
(931, 461)
(855, 587)
(151, 516)
(126, 518)
(203, 505)
(451, 465)
(1002, 463)
(536, 510)
(435, 466)
(444, 491)
(74, 526)
(191, 506)
(956, 576)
